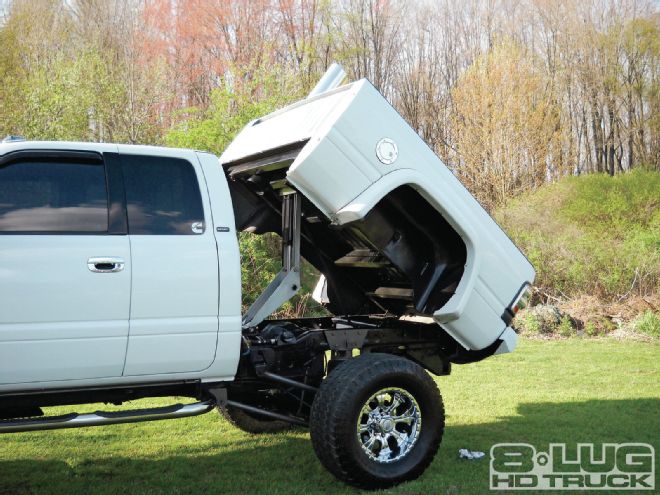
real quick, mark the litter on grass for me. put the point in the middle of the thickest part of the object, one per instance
(472, 455)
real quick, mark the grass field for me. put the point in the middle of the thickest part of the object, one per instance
(576, 390)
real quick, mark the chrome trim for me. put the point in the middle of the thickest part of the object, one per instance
(117, 264)
(100, 418)
(388, 425)
(387, 151)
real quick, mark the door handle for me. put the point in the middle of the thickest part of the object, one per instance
(105, 264)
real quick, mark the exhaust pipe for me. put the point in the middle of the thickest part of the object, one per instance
(101, 418)
(332, 79)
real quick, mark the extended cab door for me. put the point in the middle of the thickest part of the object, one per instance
(174, 294)
(65, 268)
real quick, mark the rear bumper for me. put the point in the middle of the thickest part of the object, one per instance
(505, 343)
(508, 341)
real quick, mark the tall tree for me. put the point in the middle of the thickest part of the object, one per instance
(505, 125)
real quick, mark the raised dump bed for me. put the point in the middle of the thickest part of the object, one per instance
(386, 222)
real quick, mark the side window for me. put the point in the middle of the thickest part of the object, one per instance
(38, 195)
(162, 196)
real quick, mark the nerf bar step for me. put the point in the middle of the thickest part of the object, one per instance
(100, 418)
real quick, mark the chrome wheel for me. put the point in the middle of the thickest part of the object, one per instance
(354, 409)
(388, 425)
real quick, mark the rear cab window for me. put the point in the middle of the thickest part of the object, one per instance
(162, 196)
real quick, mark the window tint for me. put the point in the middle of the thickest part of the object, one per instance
(43, 196)
(162, 196)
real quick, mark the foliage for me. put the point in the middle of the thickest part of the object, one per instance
(505, 125)
(545, 320)
(648, 323)
(78, 74)
(590, 235)
(540, 319)
(598, 325)
(567, 88)
(543, 392)
(232, 107)
(565, 328)
(528, 323)
(62, 101)
(591, 329)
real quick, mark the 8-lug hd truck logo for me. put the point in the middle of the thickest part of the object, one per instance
(608, 466)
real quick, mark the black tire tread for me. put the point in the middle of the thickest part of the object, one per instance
(330, 410)
(250, 424)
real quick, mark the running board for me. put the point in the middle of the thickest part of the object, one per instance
(101, 418)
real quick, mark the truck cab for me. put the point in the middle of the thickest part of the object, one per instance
(116, 266)
(120, 279)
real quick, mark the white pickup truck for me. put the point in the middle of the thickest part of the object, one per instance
(120, 279)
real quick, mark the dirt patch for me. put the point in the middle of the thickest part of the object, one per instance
(587, 310)
(589, 316)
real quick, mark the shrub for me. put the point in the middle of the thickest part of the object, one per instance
(648, 323)
(591, 329)
(599, 325)
(566, 328)
(546, 319)
(593, 234)
(543, 319)
(527, 323)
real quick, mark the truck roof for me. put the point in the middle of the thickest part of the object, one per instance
(16, 145)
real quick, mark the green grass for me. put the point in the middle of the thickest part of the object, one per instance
(577, 390)
(594, 234)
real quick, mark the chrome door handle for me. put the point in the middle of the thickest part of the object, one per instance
(105, 264)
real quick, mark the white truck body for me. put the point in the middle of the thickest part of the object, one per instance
(339, 170)
(162, 316)
(120, 279)
(175, 308)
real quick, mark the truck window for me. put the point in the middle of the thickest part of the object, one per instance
(53, 196)
(162, 196)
